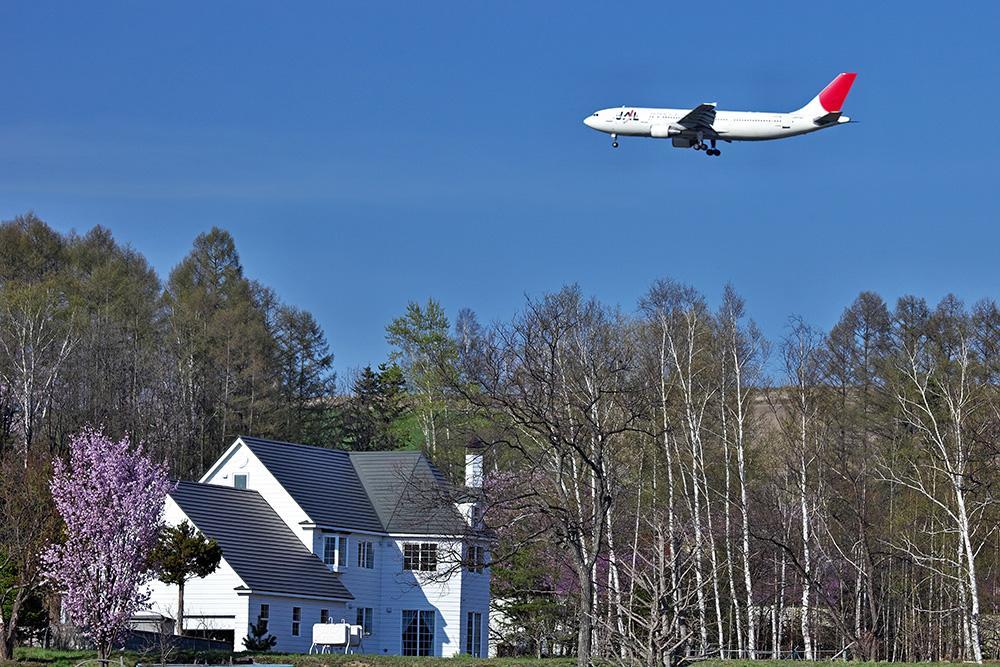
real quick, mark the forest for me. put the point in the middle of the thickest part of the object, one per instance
(660, 476)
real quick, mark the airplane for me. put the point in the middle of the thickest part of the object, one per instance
(692, 128)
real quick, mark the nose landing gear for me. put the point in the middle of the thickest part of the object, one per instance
(614, 140)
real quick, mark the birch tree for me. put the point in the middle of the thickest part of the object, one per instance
(425, 350)
(36, 338)
(742, 351)
(801, 370)
(941, 389)
(558, 384)
(685, 325)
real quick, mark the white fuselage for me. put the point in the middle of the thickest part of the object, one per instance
(728, 125)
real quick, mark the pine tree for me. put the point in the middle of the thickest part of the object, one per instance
(307, 379)
(259, 640)
(378, 402)
(183, 553)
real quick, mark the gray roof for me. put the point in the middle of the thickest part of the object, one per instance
(390, 492)
(409, 494)
(255, 542)
(322, 481)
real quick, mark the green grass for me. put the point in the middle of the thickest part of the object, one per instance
(398, 661)
(804, 663)
(36, 657)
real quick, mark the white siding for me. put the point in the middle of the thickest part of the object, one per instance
(387, 589)
(414, 590)
(365, 585)
(209, 603)
(476, 597)
(241, 460)
(279, 621)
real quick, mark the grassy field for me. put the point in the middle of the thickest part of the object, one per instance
(31, 657)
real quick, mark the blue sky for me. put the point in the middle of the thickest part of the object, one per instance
(369, 154)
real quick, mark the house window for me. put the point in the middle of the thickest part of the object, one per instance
(475, 559)
(366, 555)
(330, 551)
(324, 615)
(263, 614)
(418, 632)
(474, 634)
(335, 551)
(365, 620)
(420, 557)
(239, 481)
(296, 620)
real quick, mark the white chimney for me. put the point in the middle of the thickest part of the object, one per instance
(474, 470)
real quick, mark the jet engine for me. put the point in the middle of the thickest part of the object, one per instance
(663, 131)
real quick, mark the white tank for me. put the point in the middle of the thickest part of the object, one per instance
(331, 634)
(343, 635)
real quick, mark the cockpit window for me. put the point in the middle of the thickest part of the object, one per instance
(593, 114)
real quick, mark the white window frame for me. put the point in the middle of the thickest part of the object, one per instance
(246, 480)
(474, 634)
(366, 619)
(427, 556)
(420, 615)
(336, 557)
(366, 554)
(472, 563)
(343, 551)
(264, 614)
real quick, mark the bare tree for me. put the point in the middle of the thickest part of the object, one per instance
(659, 635)
(743, 349)
(558, 383)
(36, 336)
(29, 524)
(685, 326)
(941, 391)
(800, 352)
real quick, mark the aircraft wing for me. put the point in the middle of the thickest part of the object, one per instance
(699, 118)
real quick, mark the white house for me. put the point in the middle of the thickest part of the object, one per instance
(310, 535)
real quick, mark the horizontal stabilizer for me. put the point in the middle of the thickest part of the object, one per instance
(827, 119)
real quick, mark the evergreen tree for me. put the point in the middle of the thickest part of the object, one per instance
(371, 414)
(259, 640)
(180, 554)
(222, 347)
(307, 379)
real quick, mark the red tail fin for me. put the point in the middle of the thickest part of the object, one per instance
(832, 97)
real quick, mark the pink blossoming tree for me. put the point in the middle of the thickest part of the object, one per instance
(110, 495)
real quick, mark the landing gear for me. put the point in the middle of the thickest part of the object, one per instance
(713, 151)
(614, 140)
